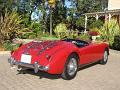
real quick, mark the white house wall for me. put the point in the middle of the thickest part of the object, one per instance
(113, 4)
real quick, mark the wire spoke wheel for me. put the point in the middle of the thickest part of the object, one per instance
(105, 58)
(71, 67)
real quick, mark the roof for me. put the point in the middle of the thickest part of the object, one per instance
(114, 12)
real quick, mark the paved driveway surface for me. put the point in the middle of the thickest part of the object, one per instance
(96, 77)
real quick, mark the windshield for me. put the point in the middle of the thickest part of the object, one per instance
(78, 43)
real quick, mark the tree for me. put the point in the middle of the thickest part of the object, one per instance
(10, 26)
(80, 7)
(5, 4)
(58, 14)
(73, 15)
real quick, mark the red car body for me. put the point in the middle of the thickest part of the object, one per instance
(52, 55)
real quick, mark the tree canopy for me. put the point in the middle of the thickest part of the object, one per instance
(72, 14)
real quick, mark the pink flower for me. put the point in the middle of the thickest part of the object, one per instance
(93, 33)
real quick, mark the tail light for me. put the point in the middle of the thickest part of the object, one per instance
(48, 57)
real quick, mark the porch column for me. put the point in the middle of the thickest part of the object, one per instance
(109, 17)
(85, 24)
(119, 19)
(106, 18)
(97, 17)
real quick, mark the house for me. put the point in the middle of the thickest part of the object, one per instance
(112, 10)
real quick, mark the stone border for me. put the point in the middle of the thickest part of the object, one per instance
(114, 51)
(4, 52)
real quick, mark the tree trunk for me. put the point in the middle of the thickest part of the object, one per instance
(1, 46)
(51, 21)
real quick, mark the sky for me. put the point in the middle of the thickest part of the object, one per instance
(36, 14)
(67, 4)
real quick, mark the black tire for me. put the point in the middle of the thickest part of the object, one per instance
(67, 75)
(105, 58)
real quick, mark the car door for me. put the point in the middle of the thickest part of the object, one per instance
(88, 54)
(98, 51)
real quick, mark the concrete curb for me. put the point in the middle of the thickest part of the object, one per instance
(4, 52)
(115, 51)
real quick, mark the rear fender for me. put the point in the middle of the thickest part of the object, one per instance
(58, 61)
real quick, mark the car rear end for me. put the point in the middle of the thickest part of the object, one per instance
(37, 55)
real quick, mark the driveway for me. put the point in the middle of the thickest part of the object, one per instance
(96, 77)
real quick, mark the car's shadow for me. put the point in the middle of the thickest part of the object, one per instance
(41, 74)
(88, 66)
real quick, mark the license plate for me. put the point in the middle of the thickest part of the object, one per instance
(26, 58)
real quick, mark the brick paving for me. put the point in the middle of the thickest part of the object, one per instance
(96, 77)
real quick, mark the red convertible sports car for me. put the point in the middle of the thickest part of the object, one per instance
(63, 57)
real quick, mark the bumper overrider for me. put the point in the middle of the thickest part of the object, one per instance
(34, 66)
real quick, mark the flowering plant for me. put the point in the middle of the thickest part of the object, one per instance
(93, 33)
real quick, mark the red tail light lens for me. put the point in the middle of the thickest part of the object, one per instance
(48, 57)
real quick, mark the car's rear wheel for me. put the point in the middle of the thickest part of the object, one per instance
(105, 58)
(71, 67)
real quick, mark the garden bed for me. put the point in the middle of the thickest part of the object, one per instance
(8, 46)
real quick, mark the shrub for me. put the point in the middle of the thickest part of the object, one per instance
(116, 44)
(33, 31)
(85, 37)
(96, 24)
(46, 34)
(10, 26)
(60, 30)
(109, 31)
(72, 34)
(9, 46)
(36, 28)
(80, 21)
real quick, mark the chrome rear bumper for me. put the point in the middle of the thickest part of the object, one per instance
(35, 66)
